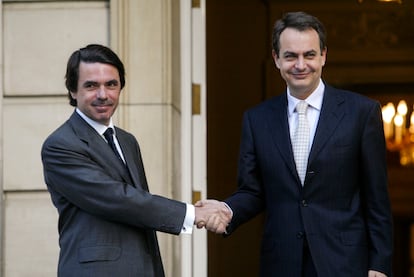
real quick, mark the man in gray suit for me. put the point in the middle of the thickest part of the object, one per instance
(95, 175)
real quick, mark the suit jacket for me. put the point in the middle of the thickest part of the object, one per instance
(107, 217)
(343, 209)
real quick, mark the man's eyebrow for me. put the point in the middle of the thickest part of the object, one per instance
(311, 52)
(89, 82)
(289, 53)
(113, 81)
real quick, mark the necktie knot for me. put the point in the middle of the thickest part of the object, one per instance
(301, 107)
(108, 134)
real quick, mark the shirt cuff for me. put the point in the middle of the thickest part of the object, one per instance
(188, 220)
(228, 207)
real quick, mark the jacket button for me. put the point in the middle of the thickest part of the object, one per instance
(299, 235)
(304, 203)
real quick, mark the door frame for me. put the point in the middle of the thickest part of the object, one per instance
(193, 127)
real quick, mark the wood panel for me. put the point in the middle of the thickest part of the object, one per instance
(237, 45)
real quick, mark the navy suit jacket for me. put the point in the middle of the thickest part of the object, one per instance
(107, 217)
(343, 209)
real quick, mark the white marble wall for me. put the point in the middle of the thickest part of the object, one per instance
(31, 241)
(38, 39)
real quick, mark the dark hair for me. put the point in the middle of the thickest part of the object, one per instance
(92, 53)
(300, 21)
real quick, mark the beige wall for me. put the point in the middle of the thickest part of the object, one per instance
(38, 38)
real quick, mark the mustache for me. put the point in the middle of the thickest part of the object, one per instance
(102, 103)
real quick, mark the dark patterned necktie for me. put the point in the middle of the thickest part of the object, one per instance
(109, 136)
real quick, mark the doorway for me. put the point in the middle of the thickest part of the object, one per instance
(238, 49)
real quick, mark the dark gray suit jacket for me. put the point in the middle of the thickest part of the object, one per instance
(107, 217)
(343, 210)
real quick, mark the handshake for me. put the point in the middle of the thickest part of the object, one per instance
(212, 215)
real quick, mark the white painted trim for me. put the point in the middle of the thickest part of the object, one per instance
(199, 132)
(186, 130)
(1, 149)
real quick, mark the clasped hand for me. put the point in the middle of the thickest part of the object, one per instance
(212, 215)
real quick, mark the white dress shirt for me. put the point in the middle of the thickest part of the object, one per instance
(314, 101)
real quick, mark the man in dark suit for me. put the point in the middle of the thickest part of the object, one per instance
(95, 175)
(327, 214)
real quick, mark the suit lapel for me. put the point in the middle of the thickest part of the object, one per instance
(279, 129)
(132, 167)
(98, 146)
(331, 114)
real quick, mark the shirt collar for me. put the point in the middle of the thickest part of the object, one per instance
(314, 99)
(100, 128)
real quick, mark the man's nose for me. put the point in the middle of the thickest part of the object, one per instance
(101, 93)
(300, 63)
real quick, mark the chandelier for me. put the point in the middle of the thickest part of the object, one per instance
(399, 131)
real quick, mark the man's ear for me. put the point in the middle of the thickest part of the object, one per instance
(324, 55)
(275, 58)
(73, 94)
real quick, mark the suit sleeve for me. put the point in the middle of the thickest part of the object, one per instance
(247, 201)
(375, 192)
(75, 177)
